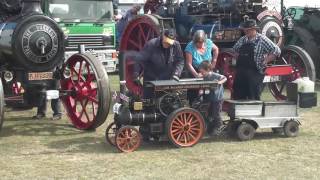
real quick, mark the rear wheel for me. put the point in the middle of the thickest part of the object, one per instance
(185, 127)
(88, 100)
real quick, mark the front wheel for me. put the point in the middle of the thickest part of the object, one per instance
(128, 139)
(245, 132)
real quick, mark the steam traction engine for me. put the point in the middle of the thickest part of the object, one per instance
(32, 61)
(165, 115)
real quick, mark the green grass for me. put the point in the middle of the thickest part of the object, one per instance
(46, 149)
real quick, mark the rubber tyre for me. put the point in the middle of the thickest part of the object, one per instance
(104, 95)
(245, 131)
(291, 128)
(196, 137)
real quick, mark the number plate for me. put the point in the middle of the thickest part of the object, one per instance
(40, 76)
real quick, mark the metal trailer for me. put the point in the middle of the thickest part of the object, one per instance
(247, 116)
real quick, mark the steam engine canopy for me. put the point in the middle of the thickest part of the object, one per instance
(34, 42)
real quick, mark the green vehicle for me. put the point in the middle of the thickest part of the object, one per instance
(87, 22)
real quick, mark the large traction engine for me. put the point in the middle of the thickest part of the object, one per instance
(32, 64)
(168, 115)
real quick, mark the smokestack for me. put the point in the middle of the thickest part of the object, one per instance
(31, 6)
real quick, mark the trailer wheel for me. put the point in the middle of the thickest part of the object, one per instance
(185, 127)
(291, 128)
(1, 104)
(111, 132)
(245, 131)
(128, 139)
(88, 100)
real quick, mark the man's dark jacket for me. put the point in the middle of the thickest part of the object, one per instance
(159, 63)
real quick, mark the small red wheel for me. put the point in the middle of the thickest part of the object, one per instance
(185, 127)
(128, 139)
(88, 100)
(111, 132)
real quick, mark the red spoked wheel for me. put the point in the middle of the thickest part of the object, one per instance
(302, 67)
(136, 34)
(88, 100)
(111, 132)
(185, 127)
(128, 139)
(226, 66)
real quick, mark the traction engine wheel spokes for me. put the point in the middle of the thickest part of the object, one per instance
(111, 132)
(128, 139)
(302, 65)
(1, 104)
(185, 127)
(88, 103)
(226, 66)
(136, 34)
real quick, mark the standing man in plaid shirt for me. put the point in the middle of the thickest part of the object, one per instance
(254, 51)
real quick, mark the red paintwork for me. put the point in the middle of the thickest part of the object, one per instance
(82, 106)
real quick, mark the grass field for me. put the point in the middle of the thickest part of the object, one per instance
(46, 149)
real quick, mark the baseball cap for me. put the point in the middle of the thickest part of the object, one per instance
(169, 35)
